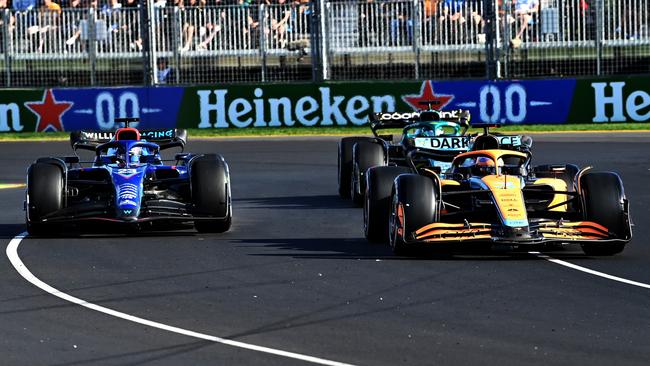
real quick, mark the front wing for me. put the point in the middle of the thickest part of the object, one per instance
(542, 232)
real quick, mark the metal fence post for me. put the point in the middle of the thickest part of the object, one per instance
(417, 18)
(6, 16)
(314, 41)
(600, 16)
(263, 25)
(324, 39)
(176, 21)
(146, 13)
(491, 39)
(92, 45)
(503, 38)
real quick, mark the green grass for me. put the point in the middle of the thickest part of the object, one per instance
(307, 131)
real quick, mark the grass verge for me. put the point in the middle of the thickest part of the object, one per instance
(324, 131)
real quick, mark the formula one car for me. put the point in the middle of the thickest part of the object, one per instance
(495, 197)
(357, 154)
(128, 183)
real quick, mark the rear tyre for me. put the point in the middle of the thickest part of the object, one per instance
(365, 155)
(376, 208)
(210, 180)
(345, 164)
(603, 197)
(45, 184)
(413, 205)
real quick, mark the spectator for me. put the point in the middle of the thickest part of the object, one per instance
(401, 23)
(24, 5)
(210, 29)
(251, 25)
(49, 22)
(525, 10)
(166, 74)
(11, 21)
(111, 12)
(280, 15)
(429, 12)
(193, 16)
(133, 29)
(74, 29)
(452, 21)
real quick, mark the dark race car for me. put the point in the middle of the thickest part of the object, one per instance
(442, 132)
(128, 183)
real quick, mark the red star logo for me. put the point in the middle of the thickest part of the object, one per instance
(427, 95)
(49, 112)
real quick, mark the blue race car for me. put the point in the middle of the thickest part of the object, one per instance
(128, 183)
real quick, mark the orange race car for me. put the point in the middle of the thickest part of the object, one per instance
(495, 197)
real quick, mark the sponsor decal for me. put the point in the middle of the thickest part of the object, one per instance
(634, 106)
(49, 112)
(396, 116)
(127, 173)
(427, 94)
(10, 113)
(217, 110)
(509, 140)
(126, 194)
(443, 143)
(515, 223)
(97, 136)
(157, 135)
(127, 212)
(504, 185)
(127, 203)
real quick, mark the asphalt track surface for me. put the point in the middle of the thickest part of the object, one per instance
(295, 274)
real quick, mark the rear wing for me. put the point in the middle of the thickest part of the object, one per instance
(165, 138)
(522, 143)
(386, 120)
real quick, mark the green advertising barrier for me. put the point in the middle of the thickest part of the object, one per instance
(513, 102)
(624, 99)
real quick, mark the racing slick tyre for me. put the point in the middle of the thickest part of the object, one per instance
(210, 180)
(603, 197)
(365, 154)
(45, 184)
(413, 205)
(376, 207)
(345, 163)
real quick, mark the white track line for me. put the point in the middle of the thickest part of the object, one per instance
(12, 254)
(590, 271)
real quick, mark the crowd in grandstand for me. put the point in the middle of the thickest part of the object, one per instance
(197, 25)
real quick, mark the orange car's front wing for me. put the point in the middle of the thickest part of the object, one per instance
(536, 233)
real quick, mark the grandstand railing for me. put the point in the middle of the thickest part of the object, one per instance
(324, 39)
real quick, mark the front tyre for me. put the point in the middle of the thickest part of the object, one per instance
(414, 204)
(210, 182)
(604, 203)
(45, 195)
(376, 208)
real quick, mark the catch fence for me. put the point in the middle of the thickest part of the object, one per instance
(323, 40)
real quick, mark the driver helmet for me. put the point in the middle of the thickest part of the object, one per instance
(430, 132)
(484, 165)
(134, 154)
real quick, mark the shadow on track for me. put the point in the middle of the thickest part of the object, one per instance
(145, 356)
(353, 248)
(9, 231)
(297, 202)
